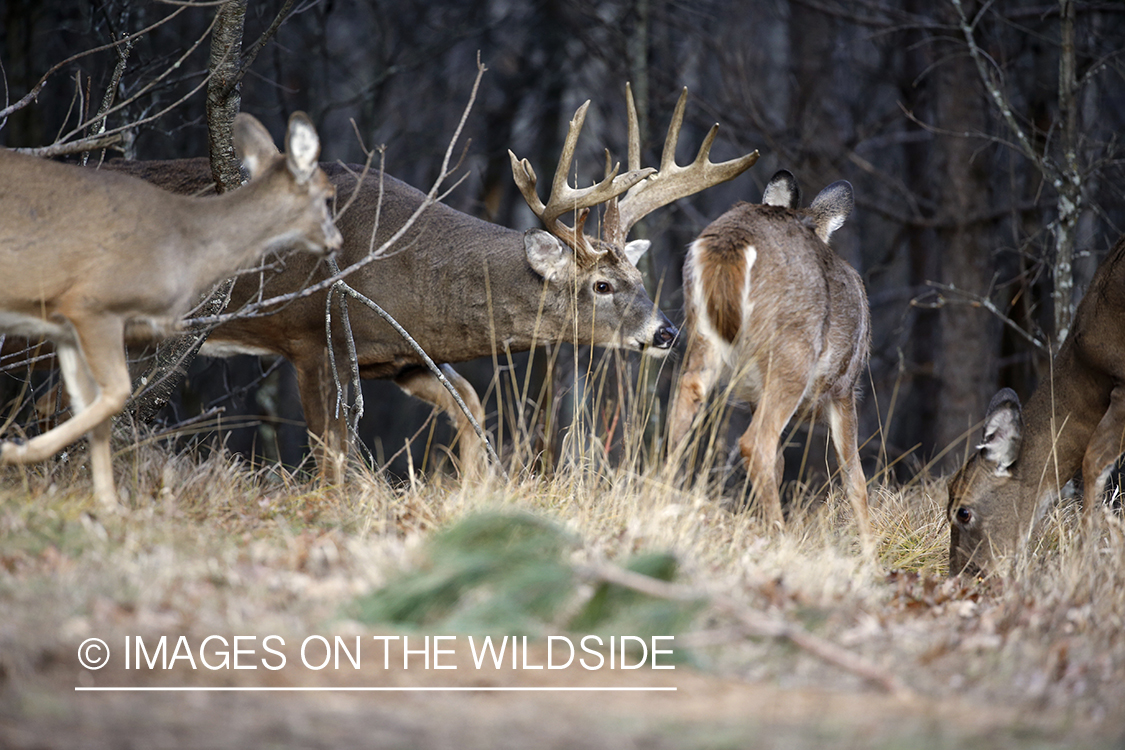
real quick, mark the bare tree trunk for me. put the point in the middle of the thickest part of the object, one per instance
(969, 336)
(921, 398)
(812, 39)
(224, 94)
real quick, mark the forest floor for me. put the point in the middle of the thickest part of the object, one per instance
(786, 639)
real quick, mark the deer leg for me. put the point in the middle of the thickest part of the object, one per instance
(700, 372)
(97, 380)
(1105, 446)
(424, 384)
(760, 448)
(327, 428)
(844, 427)
(82, 391)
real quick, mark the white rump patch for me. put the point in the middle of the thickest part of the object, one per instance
(704, 326)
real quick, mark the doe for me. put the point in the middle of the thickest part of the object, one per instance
(85, 253)
(771, 309)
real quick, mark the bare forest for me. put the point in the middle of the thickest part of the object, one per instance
(983, 143)
(983, 147)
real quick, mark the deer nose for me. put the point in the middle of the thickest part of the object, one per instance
(664, 336)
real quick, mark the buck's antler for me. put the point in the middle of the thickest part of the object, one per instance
(672, 181)
(564, 198)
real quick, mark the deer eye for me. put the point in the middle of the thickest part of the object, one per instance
(964, 515)
(603, 287)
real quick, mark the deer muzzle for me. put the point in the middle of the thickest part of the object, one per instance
(665, 336)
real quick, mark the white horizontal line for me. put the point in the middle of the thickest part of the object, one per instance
(110, 689)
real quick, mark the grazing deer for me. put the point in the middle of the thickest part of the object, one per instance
(774, 311)
(86, 253)
(466, 288)
(1074, 420)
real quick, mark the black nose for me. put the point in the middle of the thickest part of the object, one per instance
(664, 336)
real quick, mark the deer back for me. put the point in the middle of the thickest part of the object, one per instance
(462, 287)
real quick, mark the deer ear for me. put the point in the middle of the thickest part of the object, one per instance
(302, 147)
(831, 207)
(782, 190)
(252, 143)
(635, 249)
(550, 258)
(1003, 432)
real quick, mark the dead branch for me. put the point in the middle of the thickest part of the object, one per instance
(343, 288)
(751, 623)
(111, 90)
(148, 87)
(962, 296)
(93, 143)
(32, 95)
(247, 59)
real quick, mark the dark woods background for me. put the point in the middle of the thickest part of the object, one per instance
(953, 215)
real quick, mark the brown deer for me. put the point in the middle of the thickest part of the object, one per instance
(86, 253)
(1074, 420)
(772, 310)
(465, 288)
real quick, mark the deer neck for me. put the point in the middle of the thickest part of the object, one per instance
(233, 230)
(511, 304)
(1059, 421)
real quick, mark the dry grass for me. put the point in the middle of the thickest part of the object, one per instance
(211, 547)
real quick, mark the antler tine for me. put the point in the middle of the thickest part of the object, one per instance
(634, 129)
(668, 155)
(564, 198)
(559, 185)
(524, 176)
(673, 182)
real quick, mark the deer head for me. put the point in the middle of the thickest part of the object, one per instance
(983, 497)
(603, 270)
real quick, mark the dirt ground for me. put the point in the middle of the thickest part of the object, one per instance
(42, 710)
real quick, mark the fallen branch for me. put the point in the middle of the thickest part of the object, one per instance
(752, 624)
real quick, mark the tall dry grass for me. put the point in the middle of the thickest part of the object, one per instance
(205, 544)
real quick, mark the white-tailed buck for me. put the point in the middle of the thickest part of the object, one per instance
(85, 253)
(465, 288)
(1074, 420)
(780, 317)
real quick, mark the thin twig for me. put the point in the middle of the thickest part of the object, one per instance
(111, 90)
(976, 300)
(33, 94)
